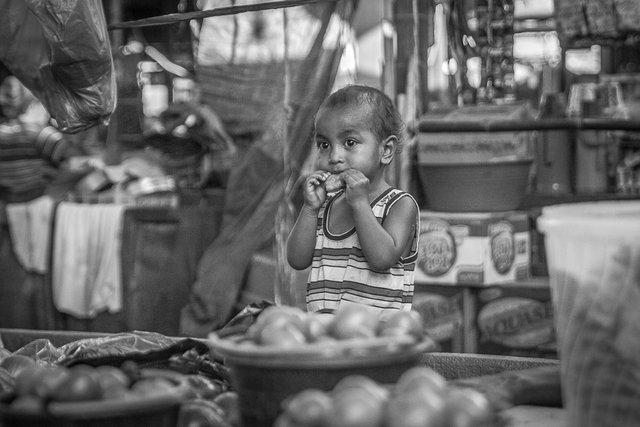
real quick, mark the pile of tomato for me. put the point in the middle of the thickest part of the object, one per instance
(420, 398)
(285, 326)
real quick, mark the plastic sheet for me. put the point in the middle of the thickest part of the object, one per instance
(146, 349)
(61, 51)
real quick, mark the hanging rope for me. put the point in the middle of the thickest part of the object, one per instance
(172, 18)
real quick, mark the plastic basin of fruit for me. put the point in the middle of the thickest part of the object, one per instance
(158, 410)
(264, 376)
(475, 187)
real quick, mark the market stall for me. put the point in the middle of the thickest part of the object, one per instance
(152, 275)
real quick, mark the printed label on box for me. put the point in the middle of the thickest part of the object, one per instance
(442, 315)
(473, 249)
(437, 253)
(502, 246)
(517, 322)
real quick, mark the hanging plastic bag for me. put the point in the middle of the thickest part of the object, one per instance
(60, 50)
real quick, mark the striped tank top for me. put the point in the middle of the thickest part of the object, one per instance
(340, 273)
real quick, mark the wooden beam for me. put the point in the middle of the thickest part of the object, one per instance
(172, 18)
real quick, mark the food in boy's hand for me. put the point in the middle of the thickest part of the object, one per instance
(333, 183)
(420, 398)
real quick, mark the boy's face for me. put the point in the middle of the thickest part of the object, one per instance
(345, 140)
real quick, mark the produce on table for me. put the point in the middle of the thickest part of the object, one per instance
(36, 385)
(420, 398)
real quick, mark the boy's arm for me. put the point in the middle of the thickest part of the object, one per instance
(302, 239)
(383, 245)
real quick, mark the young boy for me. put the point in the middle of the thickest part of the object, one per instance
(361, 239)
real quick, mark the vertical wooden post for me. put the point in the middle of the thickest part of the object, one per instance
(112, 149)
(424, 39)
(388, 35)
(389, 74)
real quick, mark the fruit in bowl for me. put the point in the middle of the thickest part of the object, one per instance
(290, 327)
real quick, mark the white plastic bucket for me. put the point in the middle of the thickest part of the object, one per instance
(593, 254)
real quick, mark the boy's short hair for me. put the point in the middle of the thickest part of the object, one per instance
(386, 120)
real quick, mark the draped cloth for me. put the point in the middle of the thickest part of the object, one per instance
(86, 267)
(30, 228)
(260, 185)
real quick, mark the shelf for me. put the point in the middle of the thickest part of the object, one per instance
(438, 125)
(534, 201)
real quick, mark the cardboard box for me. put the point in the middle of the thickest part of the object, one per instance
(441, 308)
(473, 248)
(516, 320)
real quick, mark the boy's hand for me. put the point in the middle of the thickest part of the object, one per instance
(357, 186)
(314, 192)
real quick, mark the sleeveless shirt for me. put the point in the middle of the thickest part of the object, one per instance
(340, 273)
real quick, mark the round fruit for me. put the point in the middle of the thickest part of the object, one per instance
(113, 381)
(274, 315)
(282, 335)
(354, 321)
(314, 327)
(465, 407)
(309, 408)
(79, 385)
(403, 323)
(420, 377)
(412, 410)
(363, 383)
(15, 363)
(48, 380)
(26, 379)
(356, 408)
(108, 375)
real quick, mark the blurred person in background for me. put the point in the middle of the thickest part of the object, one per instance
(31, 151)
